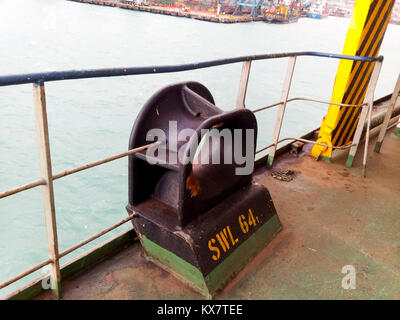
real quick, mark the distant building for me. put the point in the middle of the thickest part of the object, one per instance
(395, 18)
(342, 4)
(134, 2)
(349, 4)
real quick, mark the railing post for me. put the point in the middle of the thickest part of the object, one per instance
(244, 80)
(388, 115)
(281, 110)
(42, 130)
(366, 112)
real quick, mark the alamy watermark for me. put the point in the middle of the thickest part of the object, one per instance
(349, 280)
(234, 146)
(47, 282)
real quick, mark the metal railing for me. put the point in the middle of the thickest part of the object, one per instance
(47, 177)
(388, 115)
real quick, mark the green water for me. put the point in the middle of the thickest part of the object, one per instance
(91, 119)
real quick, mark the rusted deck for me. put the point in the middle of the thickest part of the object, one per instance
(331, 217)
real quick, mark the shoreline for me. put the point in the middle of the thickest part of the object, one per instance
(210, 17)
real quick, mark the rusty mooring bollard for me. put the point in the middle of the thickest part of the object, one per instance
(200, 220)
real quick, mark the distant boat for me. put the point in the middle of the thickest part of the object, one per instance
(280, 14)
(340, 12)
(318, 10)
(314, 15)
(271, 18)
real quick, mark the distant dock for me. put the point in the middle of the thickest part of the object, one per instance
(204, 16)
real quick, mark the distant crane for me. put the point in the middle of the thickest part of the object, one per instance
(255, 6)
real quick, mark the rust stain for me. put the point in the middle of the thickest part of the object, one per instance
(193, 185)
(217, 125)
(108, 278)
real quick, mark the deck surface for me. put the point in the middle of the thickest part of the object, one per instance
(331, 217)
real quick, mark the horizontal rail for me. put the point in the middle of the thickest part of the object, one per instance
(94, 237)
(105, 160)
(265, 148)
(312, 100)
(27, 186)
(60, 175)
(376, 121)
(393, 125)
(328, 102)
(320, 144)
(267, 107)
(64, 253)
(69, 172)
(306, 141)
(8, 80)
(25, 273)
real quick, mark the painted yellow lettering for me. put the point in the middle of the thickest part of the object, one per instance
(243, 224)
(214, 249)
(223, 241)
(252, 221)
(234, 241)
(224, 237)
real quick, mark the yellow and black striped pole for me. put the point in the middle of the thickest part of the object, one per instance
(364, 38)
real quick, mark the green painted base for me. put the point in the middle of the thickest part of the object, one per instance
(175, 265)
(363, 171)
(397, 132)
(349, 162)
(57, 290)
(213, 282)
(270, 160)
(326, 159)
(378, 146)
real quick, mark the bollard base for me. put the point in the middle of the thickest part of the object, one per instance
(213, 282)
(208, 252)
